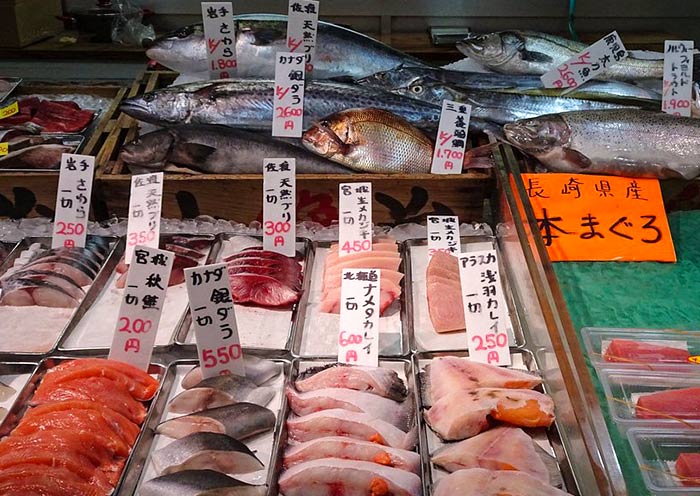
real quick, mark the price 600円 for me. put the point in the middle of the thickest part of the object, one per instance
(223, 355)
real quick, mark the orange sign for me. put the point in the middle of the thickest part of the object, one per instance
(584, 217)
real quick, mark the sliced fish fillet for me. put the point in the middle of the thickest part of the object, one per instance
(239, 421)
(482, 482)
(220, 391)
(258, 370)
(445, 305)
(376, 380)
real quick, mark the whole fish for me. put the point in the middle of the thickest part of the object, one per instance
(499, 107)
(370, 140)
(626, 142)
(216, 149)
(530, 52)
(198, 483)
(248, 103)
(339, 51)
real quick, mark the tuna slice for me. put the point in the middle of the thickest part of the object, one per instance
(445, 305)
(261, 290)
(354, 477)
(688, 468)
(376, 380)
(352, 449)
(220, 391)
(443, 265)
(501, 448)
(482, 482)
(333, 258)
(448, 374)
(672, 404)
(26, 479)
(239, 421)
(625, 350)
(198, 482)
(389, 292)
(338, 422)
(463, 414)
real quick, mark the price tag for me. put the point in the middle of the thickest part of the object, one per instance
(4, 148)
(279, 205)
(443, 234)
(587, 64)
(485, 310)
(214, 320)
(355, 222)
(451, 141)
(73, 200)
(584, 217)
(10, 110)
(302, 25)
(694, 359)
(287, 120)
(144, 212)
(220, 35)
(358, 339)
(678, 77)
(142, 304)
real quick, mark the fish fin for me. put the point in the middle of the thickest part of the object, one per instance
(194, 152)
(578, 159)
(529, 56)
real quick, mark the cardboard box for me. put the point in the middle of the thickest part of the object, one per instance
(28, 21)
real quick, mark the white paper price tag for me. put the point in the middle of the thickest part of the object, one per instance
(485, 310)
(279, 205)
(358, 337)
(214, 320)
(448, 155)
(302, 26)
(587, 64)
(443, 234)
(288, 117)
(145, 204)
(678, 77)
(142, 304)
(355, 218)
(220, 36)
(73, 201)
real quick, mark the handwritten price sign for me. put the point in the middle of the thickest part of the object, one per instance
(358, 337)
(279, 205)
(302, 26)
(678, 77)
(287, 120)
(73, 201)
(355, 218)
(443, 234)
(448, 155)
(145, 204)
(220, 35)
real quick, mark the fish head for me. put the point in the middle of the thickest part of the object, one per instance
(492, 48)
(322, 140)
(149, 150)
(427, 90)
(392, 79)
(538, 136)
(159, 107)
(177, 49)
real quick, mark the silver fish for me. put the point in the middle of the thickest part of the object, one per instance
(220, 391)
(257, 370)
(248, 103)
(198, 483)
(239, 421)
(530, 52)
(499, 107)
(339, 51)
(625, 142)
(216, 149)
(206, 450)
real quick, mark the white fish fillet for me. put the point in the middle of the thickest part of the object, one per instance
(482, 482)
(376, 380)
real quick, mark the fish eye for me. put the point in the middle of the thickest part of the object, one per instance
(148, 97)
(417, 89)
(325, 123)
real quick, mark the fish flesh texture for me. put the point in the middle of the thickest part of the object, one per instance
(500, 448)
(249, 104)
(629, 351)
(448, 374)
(40, 157)
(23, 480)
(240, 421)
(337, 422)
(356, 478)
(615, 142)
(443, 288)
(399, 414)
(670, 404)
(339, 51)
(199, 483)
(6, 391)
(483, 482)
(258, 370)
(206, 450)
(370, 140)
(463, 413)
(220, 391)
(530, 52)
(352, 449)
(376, 380)
(51, 116)
(688, 469)
(213, 149)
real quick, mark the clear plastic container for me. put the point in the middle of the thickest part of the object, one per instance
(624, 387)
(596, 341)
(656, 452)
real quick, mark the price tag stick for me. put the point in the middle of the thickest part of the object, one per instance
(279, 205)
(145, 204)
(220, 38)
(73, 201)
(451, 140)
(443, 234)
(358, 337)
(355, 218)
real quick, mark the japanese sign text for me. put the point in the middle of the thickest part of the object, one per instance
(355, 218)
(358, 337)
(73, 201)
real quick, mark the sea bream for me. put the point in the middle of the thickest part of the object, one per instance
(239, 421)
(624, 142)
(376, 380)
(356, 478)
(339, 51)
(258, 370)
(219, 391)
(482, 482)
(199, 483)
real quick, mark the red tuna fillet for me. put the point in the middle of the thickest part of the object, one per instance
(261, 290)
(688, 467)
(625, 350)
(674, 403)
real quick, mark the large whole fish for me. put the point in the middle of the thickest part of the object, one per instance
(498, 107)
(530, 52)
(218, 150)
(625, 142)
(248, 103)
(339, 51)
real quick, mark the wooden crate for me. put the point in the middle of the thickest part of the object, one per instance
(397, 197)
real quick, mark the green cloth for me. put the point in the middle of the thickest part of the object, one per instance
(643, 295)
